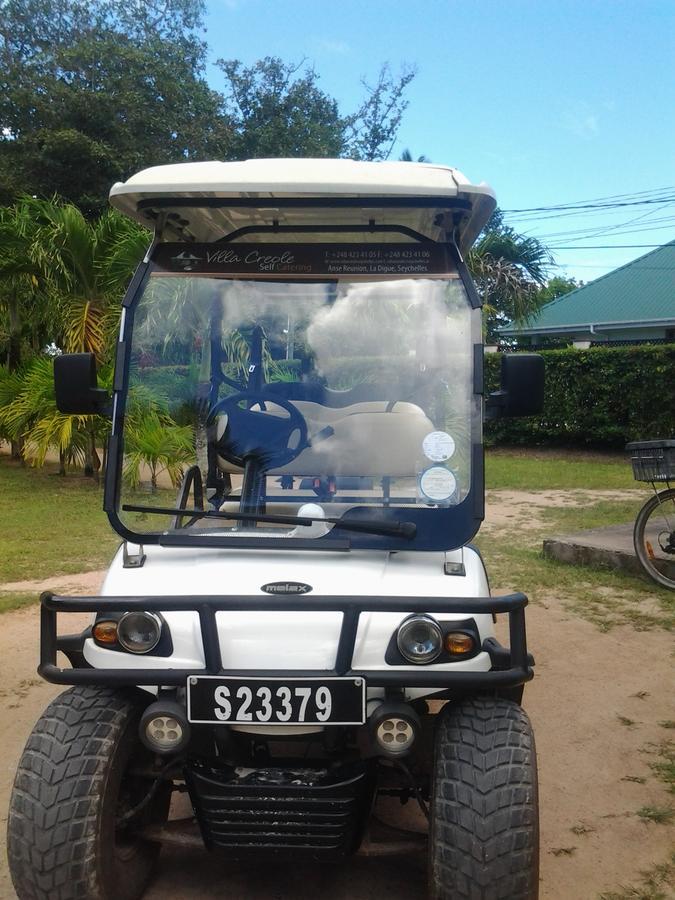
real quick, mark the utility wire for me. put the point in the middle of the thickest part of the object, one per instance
(610, 247)
(633, 195)
(604, 229)
(590, 231)
(602, 266)
(575, 238)
(601, 204)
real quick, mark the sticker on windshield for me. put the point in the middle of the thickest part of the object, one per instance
(438, 446)
(438, 484)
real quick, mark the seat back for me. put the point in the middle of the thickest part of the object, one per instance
(366, 438)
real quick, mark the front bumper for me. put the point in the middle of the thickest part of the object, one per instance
(510, 667)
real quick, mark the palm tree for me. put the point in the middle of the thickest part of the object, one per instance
(508, 270)
(78, 268)
(157, 442)
(86, 266)
(23, 311)
(28, 411)
(406, 156)
(10, 386)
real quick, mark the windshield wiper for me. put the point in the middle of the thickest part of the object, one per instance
(369, 526)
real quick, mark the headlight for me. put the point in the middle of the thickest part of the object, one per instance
(419, 639)
(139, 632)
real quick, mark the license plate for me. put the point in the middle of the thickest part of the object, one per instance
(216, 700)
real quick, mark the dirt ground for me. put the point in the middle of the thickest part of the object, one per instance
(597, 702)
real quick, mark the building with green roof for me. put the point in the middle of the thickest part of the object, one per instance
(633, 303)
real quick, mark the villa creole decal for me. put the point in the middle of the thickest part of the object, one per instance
(302, 259)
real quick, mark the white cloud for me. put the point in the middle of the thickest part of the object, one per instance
(339, 48)
(580, 120)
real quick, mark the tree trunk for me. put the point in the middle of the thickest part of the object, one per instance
(92, 462)
(62, 464)
(88, 460)
(16, 449)
(14, 344)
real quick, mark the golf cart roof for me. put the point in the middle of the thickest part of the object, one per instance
(205, 201)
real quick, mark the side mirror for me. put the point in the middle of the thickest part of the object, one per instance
(522, 387)
(76, 386)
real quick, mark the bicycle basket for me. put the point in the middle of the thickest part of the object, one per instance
(652, 460)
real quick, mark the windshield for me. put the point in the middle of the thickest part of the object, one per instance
(348, 399)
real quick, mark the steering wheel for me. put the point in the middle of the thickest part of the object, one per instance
(259, 435)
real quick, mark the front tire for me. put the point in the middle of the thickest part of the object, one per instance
(484, 829)
(76, 778)
(655, 527)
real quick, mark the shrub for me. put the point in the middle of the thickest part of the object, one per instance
(604, 396)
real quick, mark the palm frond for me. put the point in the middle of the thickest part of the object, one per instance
(159, 444)
(85, 330)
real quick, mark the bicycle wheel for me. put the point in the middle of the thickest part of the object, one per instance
(654, 538)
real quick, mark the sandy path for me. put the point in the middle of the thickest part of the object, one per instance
(83, 583)
(585, 681)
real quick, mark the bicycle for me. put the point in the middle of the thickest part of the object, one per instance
(654, 531)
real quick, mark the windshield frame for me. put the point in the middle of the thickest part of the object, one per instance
(437, 528)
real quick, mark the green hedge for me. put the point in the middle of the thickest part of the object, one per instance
(604, 396)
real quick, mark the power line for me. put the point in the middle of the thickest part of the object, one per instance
(599, 229)
(601, 203)
(532, 222)
(605, 229)
(603, 266)
(628, 196)
(573, 213)
(610, 247)
(629, 231)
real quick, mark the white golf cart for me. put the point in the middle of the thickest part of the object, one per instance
(305, 627)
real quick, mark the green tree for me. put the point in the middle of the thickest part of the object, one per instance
(556, 287)
(278, 109)
(371, 131)
(91, 92)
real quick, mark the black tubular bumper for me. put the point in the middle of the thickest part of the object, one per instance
(510, 667)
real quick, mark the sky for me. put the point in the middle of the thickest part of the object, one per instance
(549, 101)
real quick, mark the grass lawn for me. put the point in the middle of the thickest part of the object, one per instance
(10, 601)
(526, 469)
(602, 596)
(50, 525)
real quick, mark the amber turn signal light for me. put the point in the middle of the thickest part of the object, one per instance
(458, 643)
(105, 632)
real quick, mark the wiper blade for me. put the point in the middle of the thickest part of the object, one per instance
(369, 526)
